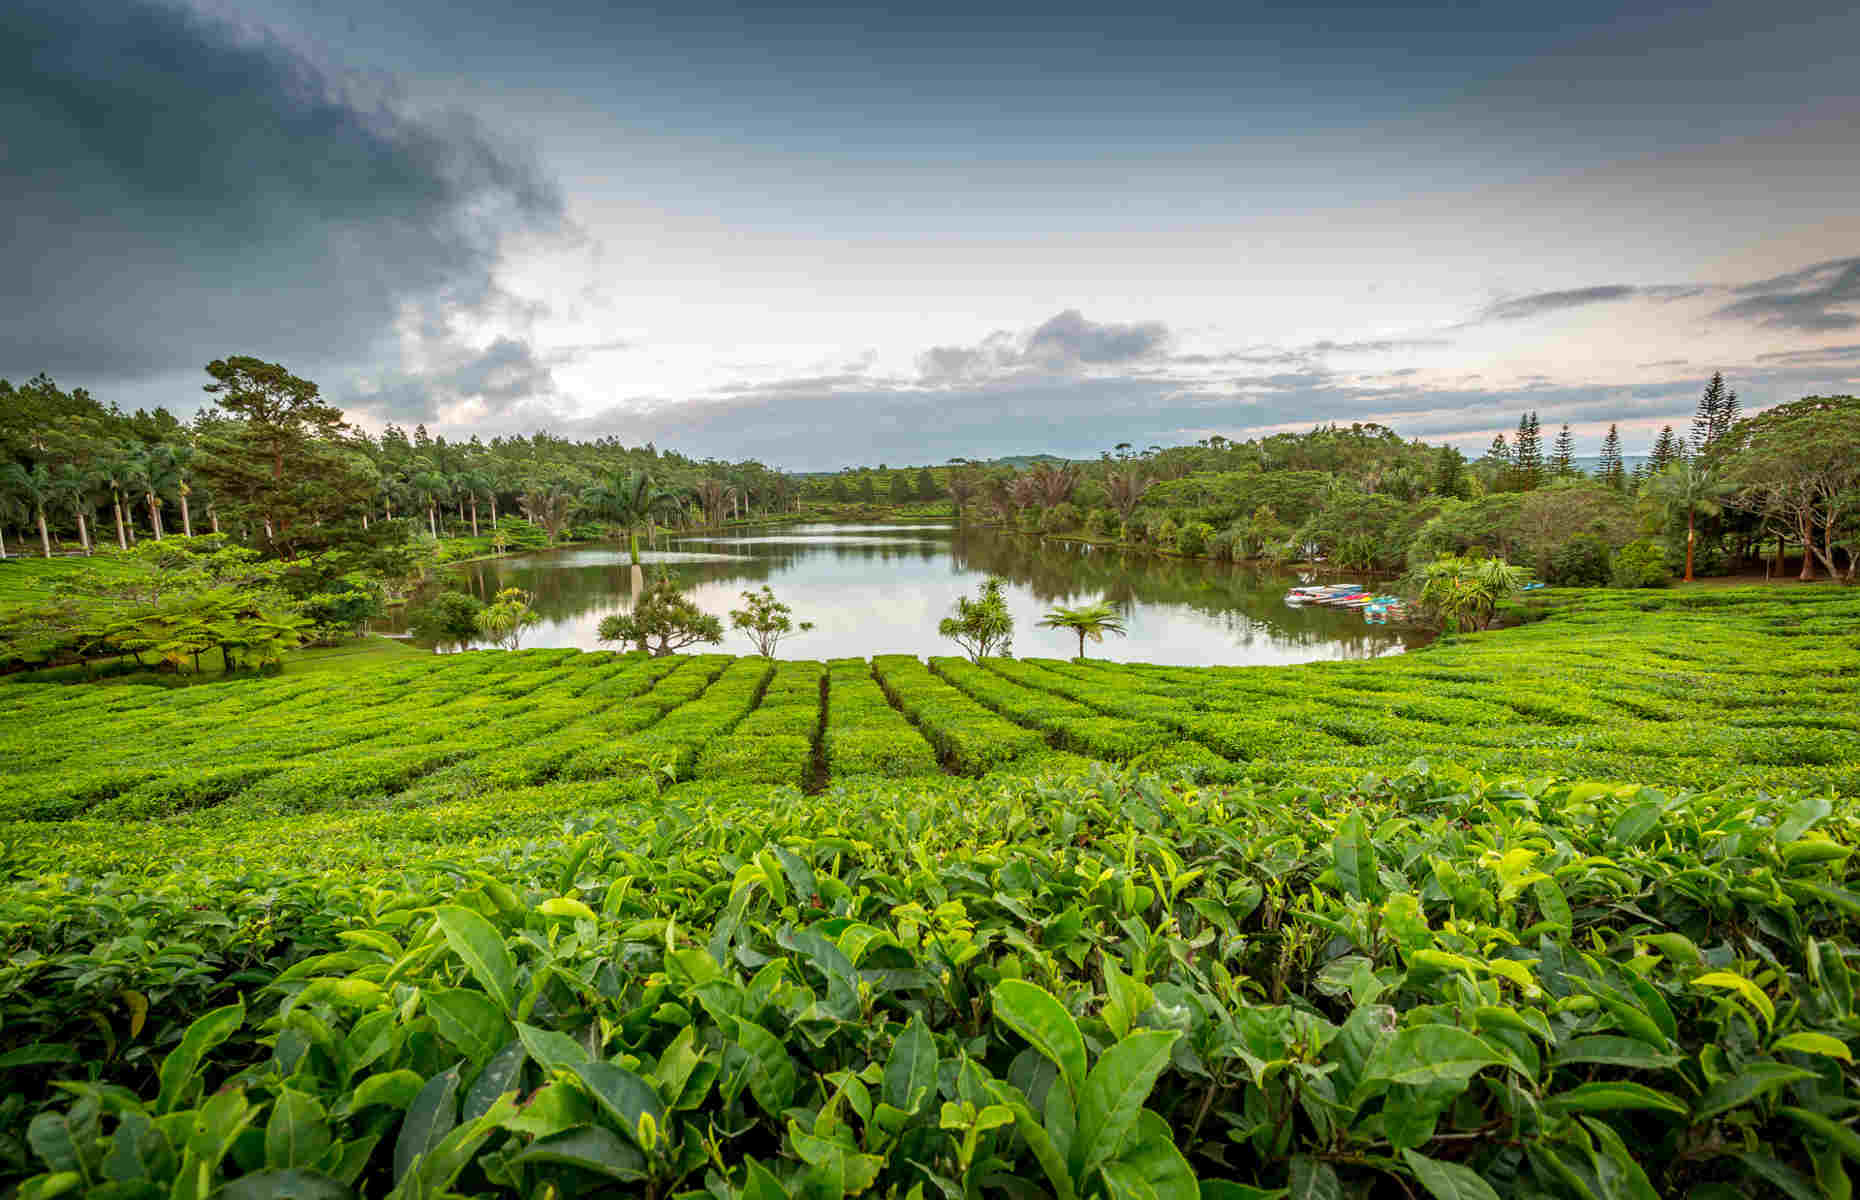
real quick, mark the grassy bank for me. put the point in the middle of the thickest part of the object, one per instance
(462, 920)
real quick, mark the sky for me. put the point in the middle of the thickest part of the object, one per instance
(824, 235)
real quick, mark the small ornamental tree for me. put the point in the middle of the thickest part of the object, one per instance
(766, 620)
(662, 621)
(981, 626)
(505, 618)
(1466, 592)
(1087, 621)
(448, 619)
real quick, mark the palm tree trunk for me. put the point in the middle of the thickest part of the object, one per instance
(432, 522)
(493, 512)
(3, 553)
(1081, 643)
(187, 518)
(83, 531)
(214, 514)
(154, 516)
(45, 537)
(633, 544)
(116, 502)
(474, 516)
(1690, 535)
(364, 520)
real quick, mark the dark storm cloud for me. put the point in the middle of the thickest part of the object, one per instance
(1062, 344)
(1812, 300)
(175, 189)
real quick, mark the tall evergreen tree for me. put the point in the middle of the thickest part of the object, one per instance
(1707, 419)
(1499, 464)
(1528, 457)
(1667, 450)
(1729, 413)
(1563, 456)
(1612, 472)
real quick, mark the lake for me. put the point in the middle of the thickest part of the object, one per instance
(881, 589)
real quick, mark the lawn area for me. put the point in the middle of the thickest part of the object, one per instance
(1561, 910)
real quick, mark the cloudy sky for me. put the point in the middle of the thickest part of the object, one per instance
(820, 235)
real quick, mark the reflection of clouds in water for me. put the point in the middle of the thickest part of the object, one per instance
(874, 595)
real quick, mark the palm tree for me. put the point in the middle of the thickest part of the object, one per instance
(1124, 489)
(114, 470)
(1467, 591)
(180, 457)
(1695, 489)
(72, 484)
(1088, 621)
(714, 495)
(473, 483)
(629, 498)
(430, 486)
(36, 489)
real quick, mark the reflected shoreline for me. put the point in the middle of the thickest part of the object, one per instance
(876, 589)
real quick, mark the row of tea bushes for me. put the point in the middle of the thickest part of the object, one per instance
(865, 736)
(774, 743)
(971, 739)
(1102, 986)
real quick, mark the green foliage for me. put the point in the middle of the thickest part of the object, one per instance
(1467, 591)
(1583, 561)
(981, 626)
(447, 619)
(505, 618)
(766, 620)
(1640, 564)
(437, 925)
(1192, 539)
(663, 620)
(1087, 621)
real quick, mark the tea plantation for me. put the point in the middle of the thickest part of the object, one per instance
(1564, 910)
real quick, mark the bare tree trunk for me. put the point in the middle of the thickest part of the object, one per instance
(116, 502)
(214, 513)
(154, 516)
(187, 518)
(45, 537)
(1689, 539)
(364, 520)
(3, 553)
(1807, 530)
(83, 531)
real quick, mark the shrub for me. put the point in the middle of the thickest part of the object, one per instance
(1106, 523)
(1226, 546)
(1192, 539)
(1163, 532)
(1060, 518)
(1640, 564)
(1582, 561)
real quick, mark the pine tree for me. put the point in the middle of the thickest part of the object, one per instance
(1612, 472)
(1498, 464)
(1708, 421)
(1528, 457)
(1563, 456)
(1729, 414)
(1667, 450)
(1450, 473)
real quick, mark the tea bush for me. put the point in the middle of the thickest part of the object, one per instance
(1565, 910)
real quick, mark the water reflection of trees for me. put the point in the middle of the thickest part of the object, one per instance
(1244, 603)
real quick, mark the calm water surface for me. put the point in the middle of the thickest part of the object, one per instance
(881, 589)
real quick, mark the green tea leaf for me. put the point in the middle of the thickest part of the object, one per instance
(1814, 1043)
(1448, 1181)
(1613, 1096)
(470, 1020)
(478, 942)
(589, 1148)
(625, 1096)
(1113, 1095)
(1354, 855)
(431, 1117)
(297, 1133)
(1033, 1013)
(184, 1060)
(1754, 1080)
(910, 1071)
(1802, 816)
(1151, 1168)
